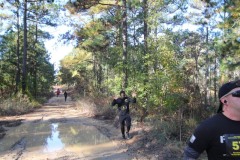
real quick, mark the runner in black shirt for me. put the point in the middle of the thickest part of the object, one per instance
(123, 111)
(65, 95)
(220, 134)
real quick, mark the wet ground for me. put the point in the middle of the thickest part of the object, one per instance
(59, 131)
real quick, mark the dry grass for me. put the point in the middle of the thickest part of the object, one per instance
(17, 105)
(173, 150)
(95, 108)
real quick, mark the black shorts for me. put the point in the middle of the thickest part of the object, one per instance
(126, 118)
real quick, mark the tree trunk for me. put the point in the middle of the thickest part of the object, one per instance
(215, 80)
(24, 65)
(207, 74)
(145, 30)
(17, 52)
(94, 70)
(196, 56)
(36, 57)
(35, 64)
(145, 27)
(124, 44)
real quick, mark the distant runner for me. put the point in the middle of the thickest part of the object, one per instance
(65, 95)
(58, 92)
(123, 112)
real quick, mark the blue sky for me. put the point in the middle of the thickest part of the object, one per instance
(55, 47)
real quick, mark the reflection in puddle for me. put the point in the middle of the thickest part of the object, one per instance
(46, 137)
(54, 143)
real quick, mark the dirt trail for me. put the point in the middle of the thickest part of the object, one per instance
(59, 131)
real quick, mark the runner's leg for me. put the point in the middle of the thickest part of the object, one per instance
(128, 124)
(123, 128)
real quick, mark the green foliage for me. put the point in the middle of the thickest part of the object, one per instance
(40, 70)
(101, 37)
(75, 68)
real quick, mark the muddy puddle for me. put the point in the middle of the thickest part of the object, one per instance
(45, 138)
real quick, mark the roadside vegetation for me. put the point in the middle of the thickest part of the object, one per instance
(17, 105)
(26, 74)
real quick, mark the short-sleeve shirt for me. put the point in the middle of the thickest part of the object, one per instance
(219, 136)
(123, 104)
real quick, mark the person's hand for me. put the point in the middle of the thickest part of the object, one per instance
(134, 94)
(115, 97)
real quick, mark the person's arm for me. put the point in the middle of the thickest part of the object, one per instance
(199, 141)
(114, 102)
(190, 154)
(133, 100)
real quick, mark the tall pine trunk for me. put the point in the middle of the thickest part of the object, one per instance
(17, 51)
(35, 64)
(24, 64)
(145, 52)
(124, 44)
(36, 57)
(207, 94)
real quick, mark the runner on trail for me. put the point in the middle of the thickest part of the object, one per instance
(65, 95)
(123, 112)
(58, 92)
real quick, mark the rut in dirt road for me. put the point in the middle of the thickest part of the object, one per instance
(59, 131)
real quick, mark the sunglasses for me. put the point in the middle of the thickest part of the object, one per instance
(236, 93)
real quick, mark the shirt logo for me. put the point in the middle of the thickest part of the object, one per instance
(232, 142)
(192, 139)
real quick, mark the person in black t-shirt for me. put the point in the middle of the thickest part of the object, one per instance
(123, 112)
(219, 135)
(65, 95)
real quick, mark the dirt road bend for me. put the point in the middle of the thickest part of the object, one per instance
(58, 131)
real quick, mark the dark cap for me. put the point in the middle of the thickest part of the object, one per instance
(225, 90)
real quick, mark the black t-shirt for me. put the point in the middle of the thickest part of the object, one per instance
(219, 136)
(123, 104)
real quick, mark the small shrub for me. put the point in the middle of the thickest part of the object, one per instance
(173, 150)
(92, 108)
(17, 105)
(166, 129)
(86, 106)
(107, 112)
(192, 123)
